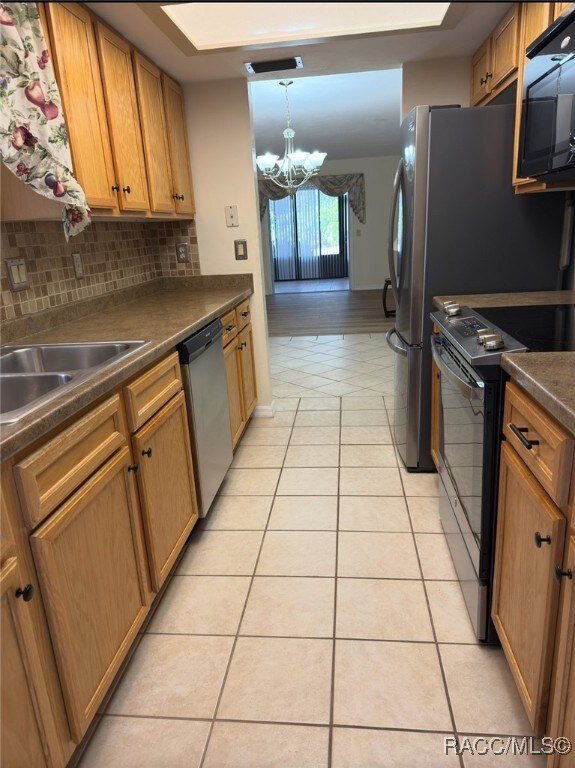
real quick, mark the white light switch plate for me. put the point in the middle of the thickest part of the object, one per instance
(232, 218)
(78, 266)
(17, 277)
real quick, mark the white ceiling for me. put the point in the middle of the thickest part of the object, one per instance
(351, 115)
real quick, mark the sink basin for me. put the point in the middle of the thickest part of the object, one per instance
(31, 374)
(18, 391)
(50, 358)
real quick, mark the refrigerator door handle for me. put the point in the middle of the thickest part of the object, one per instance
(395, 347)
(390, 252)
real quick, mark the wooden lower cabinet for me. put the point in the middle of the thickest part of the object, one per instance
(530, 540)
(247, 365)
(166, 486)
(90, 559)
(21, 742)
(235, 398)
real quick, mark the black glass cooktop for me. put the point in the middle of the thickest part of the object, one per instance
(544, 328)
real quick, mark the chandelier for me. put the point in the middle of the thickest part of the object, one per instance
(295, 167)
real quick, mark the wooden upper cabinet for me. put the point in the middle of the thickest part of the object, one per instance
(480, 64)
(536, 18)
(559, 8)
(505, 47)
(123, 119)
(154, 134)
(178, 146)
(78, 74)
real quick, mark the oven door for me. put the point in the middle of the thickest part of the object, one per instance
(461, 469)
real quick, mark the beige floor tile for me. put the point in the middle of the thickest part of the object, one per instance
(286, 404)
(365, 436)
(436, 562)
(135, 742)
(312, 455)
(450, 618)
(420, 484)
(338, 388)
(280, 419)
(363, 748)
(377, 556)
(364, 418)
(269, 436)
(301, 481)
(370, 481)
(317, 419)
(320, 403)
(382, 609)
(482, 692)
(424, 514)
(236, 513)
(494, 760)
(304, 513)
(173, 676)
(201, 605)
(373, 513)
(259, 456)
(250, 482)
(367, 455)
(389, 685)
(371, 402)
(221, 553)
(297, 553)
(259, 745)
(291, 607)
(278, 679)
(315, 436)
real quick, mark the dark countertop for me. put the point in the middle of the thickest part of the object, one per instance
(163, 318)
(549, 377)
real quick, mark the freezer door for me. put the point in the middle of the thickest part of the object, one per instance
(404, 417)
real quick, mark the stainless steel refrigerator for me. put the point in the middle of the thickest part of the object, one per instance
(457, 227)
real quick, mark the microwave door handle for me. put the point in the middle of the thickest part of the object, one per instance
(390, 253)
(470, 391)
(395, 347)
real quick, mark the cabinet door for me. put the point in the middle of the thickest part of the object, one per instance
(559, 8)
(525, 592)
(178, 145)
(78, 75)
(536, 18)
(234, 382)
(505, 47)
(89, 555)
(153, 122)
(248, 370)
(123, 119)
(166, 485)
(480, 66)
(21, 744)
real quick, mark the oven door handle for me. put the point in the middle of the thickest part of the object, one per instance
(474, 391)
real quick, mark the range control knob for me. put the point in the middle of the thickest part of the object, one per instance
(495, 341)
(482, 333)
(448, 303)
(452, 310)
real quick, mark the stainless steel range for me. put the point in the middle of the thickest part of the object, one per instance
(467, 351)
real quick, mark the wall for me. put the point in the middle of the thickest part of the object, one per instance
(115, 255)
(435, 81)
(223, 164)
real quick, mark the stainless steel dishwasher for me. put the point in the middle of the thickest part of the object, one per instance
(204, 374)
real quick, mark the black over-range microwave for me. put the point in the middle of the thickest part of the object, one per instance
(547, 138)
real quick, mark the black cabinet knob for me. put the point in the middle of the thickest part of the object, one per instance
(245, 313)
(133, 468)
(230, 328)
(116, 188)
(147, 452)
(539, 540)
(559, 573)
(26, 593)
(127, 190)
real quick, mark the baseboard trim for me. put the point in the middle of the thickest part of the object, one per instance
(264, 411)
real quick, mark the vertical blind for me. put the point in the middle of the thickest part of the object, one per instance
(308, 233)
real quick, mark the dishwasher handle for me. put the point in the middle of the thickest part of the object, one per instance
(193, 346)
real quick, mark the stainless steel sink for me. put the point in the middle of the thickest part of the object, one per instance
(32, 374)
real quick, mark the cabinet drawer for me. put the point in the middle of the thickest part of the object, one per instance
(151, 391)
(230, 327)
(550, 452)
(243, 314)
(50, 474)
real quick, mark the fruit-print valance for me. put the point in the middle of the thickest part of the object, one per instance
(33, 136)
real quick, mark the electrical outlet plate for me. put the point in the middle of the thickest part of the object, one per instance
(78, 266)
(232, 218)
(182, 253)
(17, 277)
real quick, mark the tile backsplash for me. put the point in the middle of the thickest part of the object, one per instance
(115, 255)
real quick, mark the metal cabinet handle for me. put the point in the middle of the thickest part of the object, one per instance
(243, 345)
(127, 189)
(133, 468)
(245, 313)
(26, 593)
(539, 539)
(517, 431)
(116, 188)
(559, 573)
(230, 328)
(484, 80)
(147, 452)
(178, 197)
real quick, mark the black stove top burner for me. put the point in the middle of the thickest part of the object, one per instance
(543, 328)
